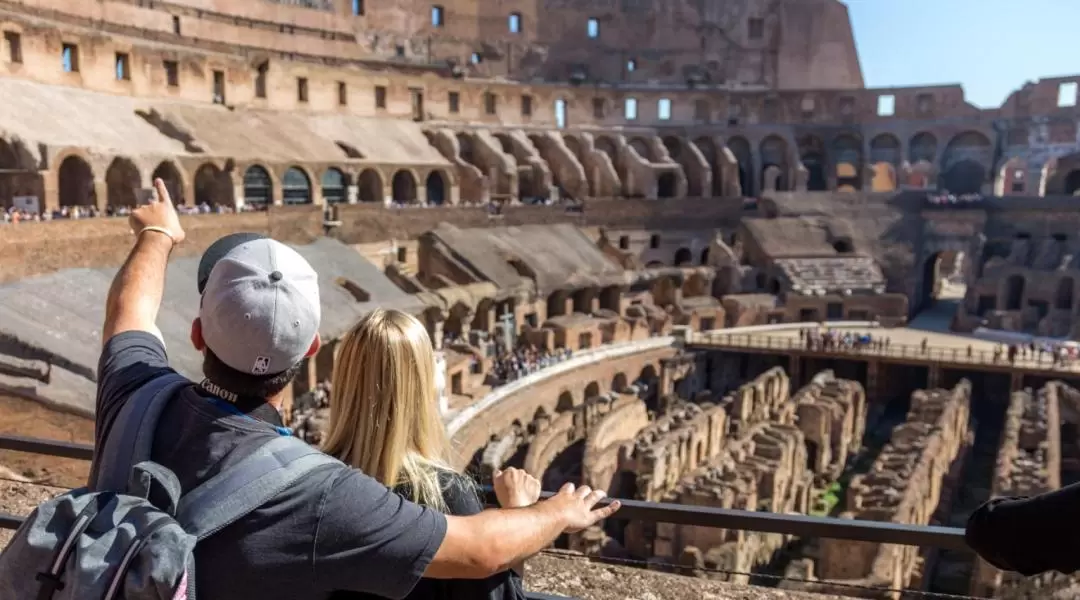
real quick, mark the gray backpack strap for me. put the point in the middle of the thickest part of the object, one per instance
(132, 434)
(247, 485)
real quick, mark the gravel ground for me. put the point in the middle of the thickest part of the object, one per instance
(574, 576)
(20, 499)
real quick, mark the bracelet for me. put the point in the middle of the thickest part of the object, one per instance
(157, 229)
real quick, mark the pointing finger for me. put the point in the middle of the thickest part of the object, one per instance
(162, 191)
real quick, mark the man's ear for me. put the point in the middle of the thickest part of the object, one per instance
(315, 345)
(196, 335)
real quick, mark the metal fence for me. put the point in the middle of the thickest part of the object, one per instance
(945, 538)
(879, 348)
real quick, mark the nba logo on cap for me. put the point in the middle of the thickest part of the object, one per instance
(262, 366)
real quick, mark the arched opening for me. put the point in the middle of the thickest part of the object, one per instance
(812, 157)
(560, 113)
(334, 187)
(123, 181)
(1014, 292)
(213, 187)
(648, 380)
(565, 402)
(258, 188)
(436, 189)
(712, 156)
(592, 390)
(623, 487)
(740, 148)
(465, 149)
(76, 183)
(404, 187)
(705, 256)
(964, 164)
(774, 154)
(1072, 182)
(964, 177)
(642, 148)
(683, 257)
(847, 150)
(565, 468)
(931, 281)
(922, 147)
(369, 186)
(673, 147)
(843, 246)
(666, 185)
(170, 175)
(295, 186)
(884, 178)
(619, 383)
(608, 147)
(885, 148)
(1063, 299)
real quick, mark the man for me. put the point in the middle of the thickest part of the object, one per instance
(337, 529)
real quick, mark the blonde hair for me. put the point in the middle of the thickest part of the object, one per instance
(384, 414)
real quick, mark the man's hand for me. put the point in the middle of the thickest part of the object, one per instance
(514, 488)
(576, 506)
(159, 212)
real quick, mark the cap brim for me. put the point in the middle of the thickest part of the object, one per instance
(218, 250)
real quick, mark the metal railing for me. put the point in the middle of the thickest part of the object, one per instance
(879, 349)
(656, 512)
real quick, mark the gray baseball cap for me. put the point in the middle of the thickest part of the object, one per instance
(260, 303)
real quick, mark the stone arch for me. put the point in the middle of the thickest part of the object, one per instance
(642, 148)
(774, 151)
(607, 146)
(741, 149)
(296, 186)
(436, 189)
(122, 182)
(673, 146)
(76, 182)
(403, 187)
(258, 187)
(173, 177)
(1011, 177)
(683, 256)
(707, 146)
(592, 390)
(847, 151)
(619, 382)
(572, 143)
(1014, 292)
(213, 186)
(1063, 299)
(465, 148)
(369, 186)
(814, 159)
(923, 147)
(667, 184)
(335, 186)
(964, 164)
(885, 148)
(565, 401)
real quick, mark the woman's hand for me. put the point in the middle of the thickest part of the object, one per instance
(515, 488)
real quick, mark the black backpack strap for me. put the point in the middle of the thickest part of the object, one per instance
(132, 434)
(247, 485)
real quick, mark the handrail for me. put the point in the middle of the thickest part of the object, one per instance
(891, 350)
(656, 512)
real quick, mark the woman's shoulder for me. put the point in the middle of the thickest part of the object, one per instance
(461, 494)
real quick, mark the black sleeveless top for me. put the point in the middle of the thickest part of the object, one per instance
(462, 499)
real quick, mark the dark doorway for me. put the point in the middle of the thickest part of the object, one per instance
(665, 185)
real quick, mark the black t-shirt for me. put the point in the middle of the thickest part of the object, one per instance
(335, 529)
(462, 499)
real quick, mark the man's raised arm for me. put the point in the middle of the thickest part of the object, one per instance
(492, 541)
(135, 294)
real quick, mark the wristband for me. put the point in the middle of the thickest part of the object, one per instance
(161, 230)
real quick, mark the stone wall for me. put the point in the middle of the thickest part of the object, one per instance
(905, 485)
(1028, 463)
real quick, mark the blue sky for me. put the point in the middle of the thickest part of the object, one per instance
(991, 47)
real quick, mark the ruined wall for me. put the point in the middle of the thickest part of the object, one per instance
(832, 416)
(1028, 463)
(619, 427)
(904, 485)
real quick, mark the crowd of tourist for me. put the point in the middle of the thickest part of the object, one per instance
(14, 216)
(516, 363)
(946, 198)
(1058, 355)
(833, 340)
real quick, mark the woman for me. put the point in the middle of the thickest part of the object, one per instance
(385, 421)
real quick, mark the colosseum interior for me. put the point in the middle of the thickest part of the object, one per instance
(677, 251)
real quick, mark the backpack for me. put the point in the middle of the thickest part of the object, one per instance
(130, 534)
